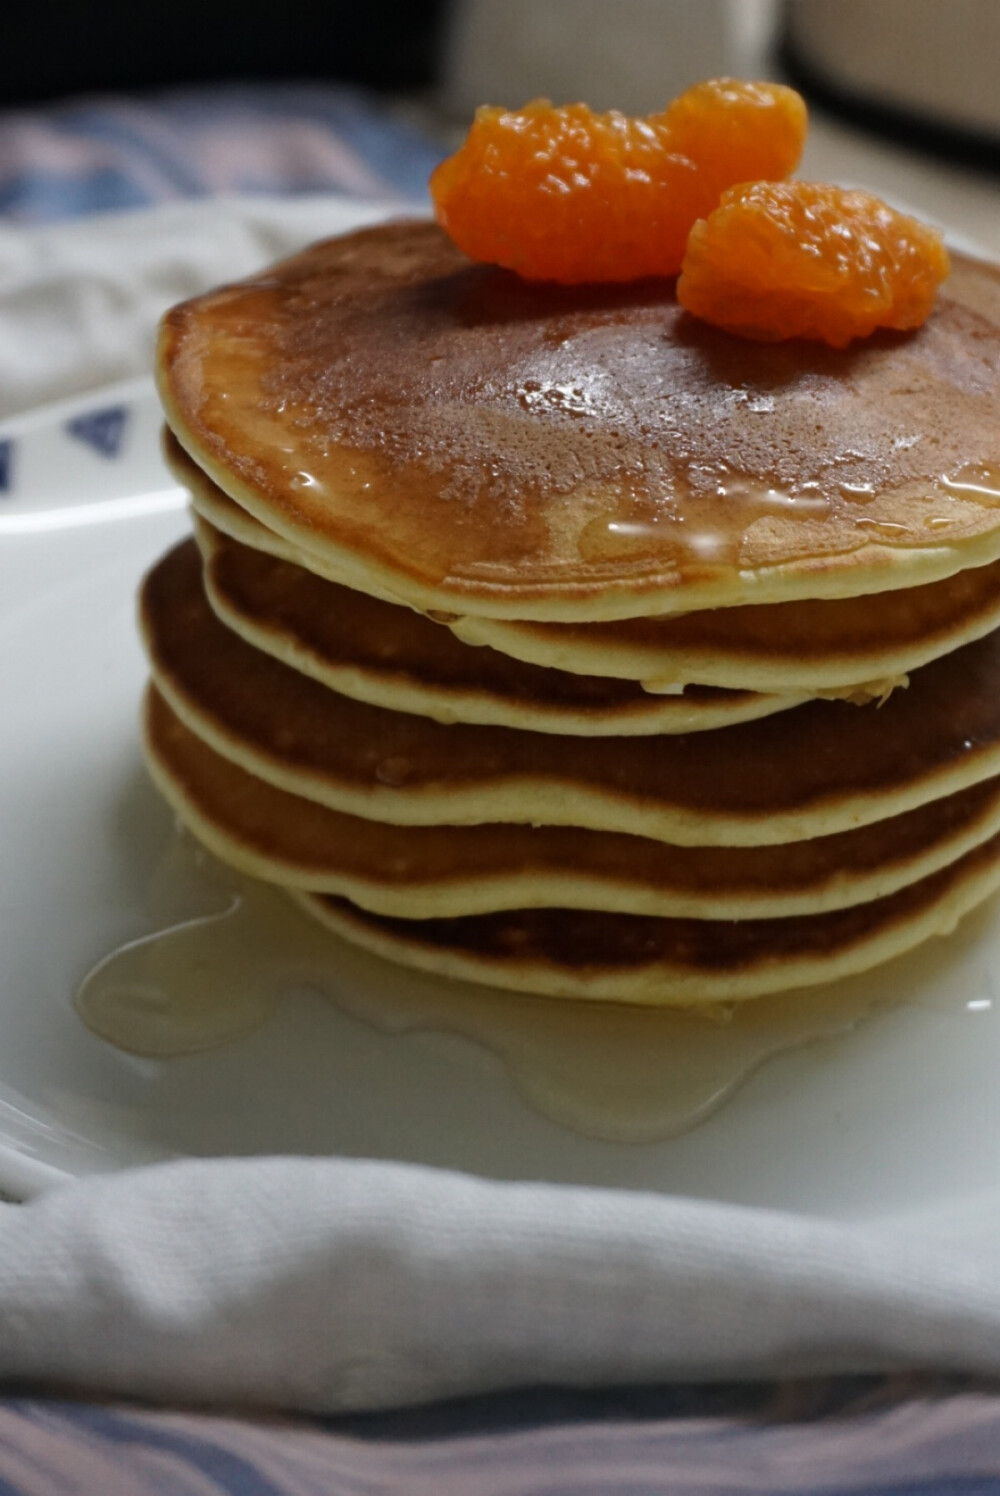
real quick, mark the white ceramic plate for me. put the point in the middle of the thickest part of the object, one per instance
(901, 1115)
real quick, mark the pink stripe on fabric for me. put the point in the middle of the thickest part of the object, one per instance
(30, 145)
(279, 151)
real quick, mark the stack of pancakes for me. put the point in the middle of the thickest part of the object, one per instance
(553, 639)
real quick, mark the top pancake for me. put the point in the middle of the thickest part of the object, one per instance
(829, 646)
(467, 441)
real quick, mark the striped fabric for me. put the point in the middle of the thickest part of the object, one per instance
(838, 1439)
(96, 154)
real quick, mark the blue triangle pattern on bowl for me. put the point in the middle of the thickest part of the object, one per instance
(104, 430)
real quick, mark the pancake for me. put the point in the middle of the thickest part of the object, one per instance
(629, 958)
(815, 770)
(431, 872)
(390, 656)
(843, 646)
(462, 440)
(850, 647)
(208, 502)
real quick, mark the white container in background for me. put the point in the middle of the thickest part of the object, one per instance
(938, 60)
(633, 55)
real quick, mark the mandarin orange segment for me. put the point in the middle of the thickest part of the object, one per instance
(782, 260)
(568, 195)
(739, 132)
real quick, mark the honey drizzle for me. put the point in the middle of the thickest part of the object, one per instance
(606, 1071)
(710, 528)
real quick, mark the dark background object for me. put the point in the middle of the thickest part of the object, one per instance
(922, 72)
(53, 48)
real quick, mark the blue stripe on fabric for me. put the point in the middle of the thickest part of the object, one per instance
(398, 152)
(56, 195)
(403, 158)
(120, 124)
(386, 146)
(154, 144)
(558, 1469)
(234, 1475)
(940, 1485)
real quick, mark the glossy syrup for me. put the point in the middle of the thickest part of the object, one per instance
(978, 483)
(606, 1071)
(711, 527)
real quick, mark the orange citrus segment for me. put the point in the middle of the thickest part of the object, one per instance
(568, 195)
(802, 260)
(738, 132)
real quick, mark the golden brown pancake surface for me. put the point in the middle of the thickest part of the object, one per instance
(391, 656)
(810, 645)
(588, 938)
(806, 647)
(469, 440)
(814, 770)
(429, 871)
(632, 958)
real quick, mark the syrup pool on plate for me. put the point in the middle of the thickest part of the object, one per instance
(605, 1070)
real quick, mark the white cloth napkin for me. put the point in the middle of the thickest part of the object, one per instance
(331, 1284)
(335, 1284)
(79, 301)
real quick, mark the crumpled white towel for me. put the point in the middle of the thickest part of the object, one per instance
(338, 1284)
(334, 1284)
(79, 301)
